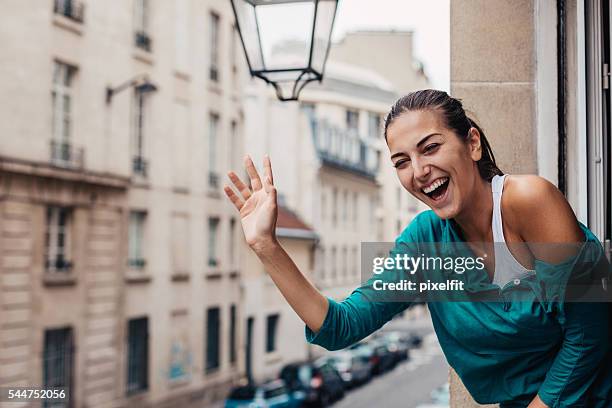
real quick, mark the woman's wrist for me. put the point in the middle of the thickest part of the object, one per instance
(265, 247)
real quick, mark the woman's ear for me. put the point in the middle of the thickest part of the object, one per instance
(474, 144)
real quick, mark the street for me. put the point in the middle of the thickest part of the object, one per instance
(411, 382)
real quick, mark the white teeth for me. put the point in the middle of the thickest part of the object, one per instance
(434, 185)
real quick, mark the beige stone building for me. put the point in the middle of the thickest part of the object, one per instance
(120, 274)
(537, 75)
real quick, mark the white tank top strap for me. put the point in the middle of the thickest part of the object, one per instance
(507, 268)
(497, 186)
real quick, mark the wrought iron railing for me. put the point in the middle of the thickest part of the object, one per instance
(71, 9)
(140, 166)
(142, 40)
(63, 154)
(344, 149)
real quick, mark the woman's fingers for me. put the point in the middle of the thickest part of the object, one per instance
(255, 180)
(268, 168)
(238, 203)
(242, 188)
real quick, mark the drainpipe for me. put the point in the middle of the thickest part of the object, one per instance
(561, 95)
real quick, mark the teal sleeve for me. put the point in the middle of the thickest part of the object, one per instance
(366, 309)
(585, 343)
(585, 325)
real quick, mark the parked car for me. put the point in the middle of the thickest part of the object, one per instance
(397, 345)
(383, 358)
(319, 381)
(354, 369)
(414, 340)
(270, 394)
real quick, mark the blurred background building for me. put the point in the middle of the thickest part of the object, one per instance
(124, 274)
(120, 257)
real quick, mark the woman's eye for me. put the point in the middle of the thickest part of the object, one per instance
(431, 147)
(400, 163)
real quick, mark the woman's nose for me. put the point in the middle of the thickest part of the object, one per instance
(421, 169)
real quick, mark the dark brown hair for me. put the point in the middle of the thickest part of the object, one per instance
(453, 116)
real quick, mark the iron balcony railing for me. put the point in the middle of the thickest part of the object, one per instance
(71, 9)
(142, 40)
(63, 154)
(140, 166)
(344, 149)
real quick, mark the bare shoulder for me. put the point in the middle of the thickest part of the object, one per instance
(539, 210)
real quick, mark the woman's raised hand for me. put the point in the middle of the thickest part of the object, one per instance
(257, 207)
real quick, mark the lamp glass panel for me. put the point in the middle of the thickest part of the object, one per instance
(285, 31)
(326, 11)
(247, 21)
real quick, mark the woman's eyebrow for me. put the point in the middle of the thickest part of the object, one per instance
(422, 141)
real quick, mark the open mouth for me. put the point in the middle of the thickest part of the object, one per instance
(437, 189)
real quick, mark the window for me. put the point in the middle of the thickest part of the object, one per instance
(345, 205)
(352, 120)
(58, 357)
(334, 206)
(234, 50)
(70, 9)
(58, 239)
(139, 164)
(61, 96)
(232, 242)
(234, 146)
(322, 263)
(213, 226)
(334, 264)
(344, 262)
(373, 125)
(271, 326)
(141, 24)
(323, 205)
(138, 355)
(355, 209)
(213, 175)
(135, 239)
(212, 339)
(214, 47)
(232, 335)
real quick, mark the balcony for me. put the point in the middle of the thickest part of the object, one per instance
(137, 263)
(142, 41)
(63, 154)
(213, 180)
(140, 166)
(73, 10)
(344, 149)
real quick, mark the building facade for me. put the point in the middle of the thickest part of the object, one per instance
(544, 102)
(120, 264)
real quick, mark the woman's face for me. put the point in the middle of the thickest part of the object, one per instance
(432, 163)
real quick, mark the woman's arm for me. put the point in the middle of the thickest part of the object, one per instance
(333, 325)
(258, 214)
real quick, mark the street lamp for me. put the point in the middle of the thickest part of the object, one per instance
(286, 42)
(140, 83)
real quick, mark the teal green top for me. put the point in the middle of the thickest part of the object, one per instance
(505, 351)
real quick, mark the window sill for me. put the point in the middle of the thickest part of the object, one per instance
(180, 190)
(67, 24)
(213, 193)
(213, 274)
(182, 75)
(215, 87)
(273, 357)
(181, 276)
(142, 55)
(59, 279)
(234, 274)
(137, 276)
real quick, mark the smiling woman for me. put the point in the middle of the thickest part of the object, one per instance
(531, 346)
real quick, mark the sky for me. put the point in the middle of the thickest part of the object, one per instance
(429, 20)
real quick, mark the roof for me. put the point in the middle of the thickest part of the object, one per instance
(290, 225)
